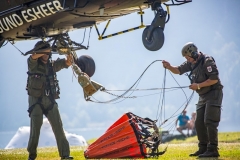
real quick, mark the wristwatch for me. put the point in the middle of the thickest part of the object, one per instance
(198, 86)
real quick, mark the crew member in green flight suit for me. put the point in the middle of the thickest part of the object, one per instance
(43, 89)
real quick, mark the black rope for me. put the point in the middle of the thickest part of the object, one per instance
(89, 36)
(162, 97)
(83, 36)
(16, 48)
(117, 95)
(187, 100)
(148, 89)
(172, 88)
(172, 125)
(128, 90)
(161, 112)
(4, 44)
(154, 93)
(175, 113)
(131, 92)
(178, 83)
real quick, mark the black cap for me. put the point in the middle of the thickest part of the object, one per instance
(41, 45)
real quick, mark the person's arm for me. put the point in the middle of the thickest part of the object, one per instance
(211, 71)
(173, 69)
(176, 121)
(206, 83)
(36, 56)
(33, 61)
(62, 63)
(69, 60)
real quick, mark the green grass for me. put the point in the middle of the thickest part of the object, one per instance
(229, 137)
(229, 149)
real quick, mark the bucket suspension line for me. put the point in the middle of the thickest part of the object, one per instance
(128, 90)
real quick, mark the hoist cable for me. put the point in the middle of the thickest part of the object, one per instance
(174, 89)
(175, 113)
(172, 123)
(16, 48)
(122, 95)
(148, 89)
(162, 97)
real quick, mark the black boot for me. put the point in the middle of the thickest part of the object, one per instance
(211, 152)
(31, 158)
(66, 157)
(197, 153)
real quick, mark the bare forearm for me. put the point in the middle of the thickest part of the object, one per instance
(207, 83)
(36, 56)
(174, 69)
(168, 66)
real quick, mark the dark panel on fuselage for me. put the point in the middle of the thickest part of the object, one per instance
(8, 4)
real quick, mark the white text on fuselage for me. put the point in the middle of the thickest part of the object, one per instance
(28, 15)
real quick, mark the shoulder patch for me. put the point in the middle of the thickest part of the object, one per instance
(209, 68)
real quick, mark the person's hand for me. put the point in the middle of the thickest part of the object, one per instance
(194, 86)
(69, 60)
(166, 64)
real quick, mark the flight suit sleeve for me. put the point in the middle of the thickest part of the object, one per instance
(210, 69)
(59, 64)
(32, 63)
(185, 67)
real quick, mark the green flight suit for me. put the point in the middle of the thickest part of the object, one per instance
(210, 100)
(41, 103)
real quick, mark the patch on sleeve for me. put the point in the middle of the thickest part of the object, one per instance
(209, 68)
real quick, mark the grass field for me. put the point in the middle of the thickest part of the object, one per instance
(229, 149)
